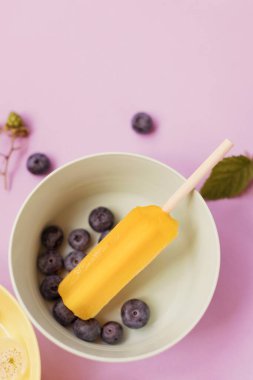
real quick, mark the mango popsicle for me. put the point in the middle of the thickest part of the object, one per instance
(117, 259)
(127, 249)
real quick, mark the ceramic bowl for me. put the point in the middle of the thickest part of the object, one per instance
(178, 285)
(14, 324)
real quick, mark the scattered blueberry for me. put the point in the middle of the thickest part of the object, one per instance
(142, 123)
(49, 287)
(38, 163)
(135, 313)
(112, 332)
(103, 235)
(52, 237)
(50, 262)
(62, 314)
(87, 330)
(101, 219)
(73, 259)
(79, 239)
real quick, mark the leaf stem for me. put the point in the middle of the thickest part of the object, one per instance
(7, 157)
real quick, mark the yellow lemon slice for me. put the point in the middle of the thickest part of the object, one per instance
(13, 359)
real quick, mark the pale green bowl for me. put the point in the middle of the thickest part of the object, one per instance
(178, 285)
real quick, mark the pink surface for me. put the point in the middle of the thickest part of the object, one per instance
(77, 70)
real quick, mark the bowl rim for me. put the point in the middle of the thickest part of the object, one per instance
(29, 327)
(83, 354)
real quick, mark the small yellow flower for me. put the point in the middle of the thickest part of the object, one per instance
(14, 120)
(15, 126)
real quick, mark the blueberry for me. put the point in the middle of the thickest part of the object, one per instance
(79, 239)
(50, 262)
(38, 163)
(101, 219)
(103, 235)
(142, 123)
(52, 237)
(49, 287)
(87, 330)
(73, 259)
(112, 332)
(62, 314)
(135, 313)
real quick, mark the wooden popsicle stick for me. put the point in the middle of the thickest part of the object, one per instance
(197, 176)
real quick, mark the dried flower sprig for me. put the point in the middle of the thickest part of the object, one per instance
(15, 131)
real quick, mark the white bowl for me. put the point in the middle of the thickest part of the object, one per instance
(178, 285)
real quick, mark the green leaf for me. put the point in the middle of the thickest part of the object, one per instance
(229, 178)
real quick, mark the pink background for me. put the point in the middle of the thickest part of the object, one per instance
(77, 71)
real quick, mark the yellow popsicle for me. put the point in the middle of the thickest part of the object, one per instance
(128, 248)
(117, 259)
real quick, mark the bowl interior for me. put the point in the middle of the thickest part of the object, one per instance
(178, 285)
(15, 325)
